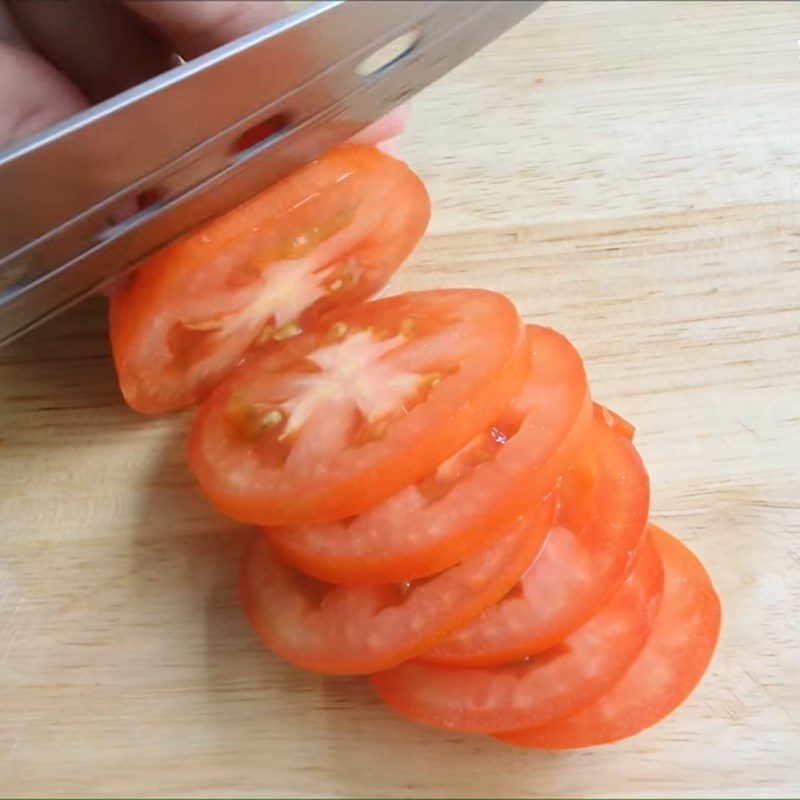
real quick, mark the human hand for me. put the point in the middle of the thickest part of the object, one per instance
(59, 57)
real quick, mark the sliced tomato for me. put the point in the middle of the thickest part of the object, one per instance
(366, 402)
(329, 235)
(666, 671)
(470, 499)
(358, 630)
(604, 502)
(546, 687)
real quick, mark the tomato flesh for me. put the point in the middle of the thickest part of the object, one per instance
(666, 671)
(472, 497)
(546, 687)
(604, 501)
(366, 402)
(329, 235)
(359, 630)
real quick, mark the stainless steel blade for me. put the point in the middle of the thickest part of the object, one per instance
(168, 155)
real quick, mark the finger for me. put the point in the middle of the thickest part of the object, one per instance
(33, 95)
(194, 27)
(385, 129)
(100, 46)
(9, 32)
(391, 147)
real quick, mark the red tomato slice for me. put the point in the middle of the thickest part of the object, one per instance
(546, 687)
(604, 505)
(357, 630)
(470, 499)
(329, 235)
(666, 671)
(366, 402)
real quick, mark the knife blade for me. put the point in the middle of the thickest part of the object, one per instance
(85, 200)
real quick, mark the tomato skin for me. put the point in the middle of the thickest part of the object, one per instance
(360, 630)
(235, 475)
(605, 499)
(549, 686)
(540, 431)
(667, 670)
(212, 272)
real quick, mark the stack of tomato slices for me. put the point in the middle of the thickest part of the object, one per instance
(440, 504)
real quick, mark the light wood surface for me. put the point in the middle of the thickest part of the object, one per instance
(626, 172)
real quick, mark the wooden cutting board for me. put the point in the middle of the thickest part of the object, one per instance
(626, 172)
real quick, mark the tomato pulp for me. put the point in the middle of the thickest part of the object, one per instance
(367, 401)
(352, 630)
(472, 497)
(666, 671)
(604, 500)
(546, 687)
(329, 235)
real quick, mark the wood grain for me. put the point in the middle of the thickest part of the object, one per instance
(627, 173)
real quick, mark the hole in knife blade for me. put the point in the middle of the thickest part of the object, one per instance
(118, 226)
(129, 207)
(260, 132)
(134, 210)
(389, 54)
(149, 197)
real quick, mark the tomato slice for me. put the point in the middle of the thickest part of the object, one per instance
(604, 505)
(666, 671)
(470, 499)
(358, 630)
(366, 402)
(546, 687)
(329, 235)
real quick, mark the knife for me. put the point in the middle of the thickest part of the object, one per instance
(85, 200)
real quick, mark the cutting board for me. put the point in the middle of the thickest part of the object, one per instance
(627, 173)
